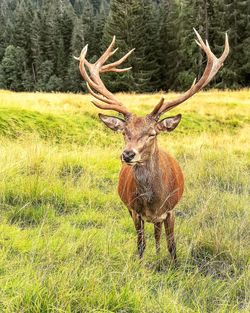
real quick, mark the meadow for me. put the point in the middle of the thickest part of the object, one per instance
(68, 244)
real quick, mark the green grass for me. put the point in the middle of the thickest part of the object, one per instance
(67, 242)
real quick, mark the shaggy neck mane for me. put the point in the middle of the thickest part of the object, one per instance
(148, 178)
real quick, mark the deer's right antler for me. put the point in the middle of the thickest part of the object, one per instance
(94, 83)
(213, 66)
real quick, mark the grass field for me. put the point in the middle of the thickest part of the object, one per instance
(67, 244)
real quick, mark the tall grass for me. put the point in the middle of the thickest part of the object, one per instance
(68, 244)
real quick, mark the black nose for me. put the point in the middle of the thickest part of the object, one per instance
(128, 155)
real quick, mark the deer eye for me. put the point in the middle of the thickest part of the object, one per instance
(151, 135)
(127, 136)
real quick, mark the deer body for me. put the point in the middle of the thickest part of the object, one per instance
(151, 181)
(150, 186)
(153, 189)
(150, 192)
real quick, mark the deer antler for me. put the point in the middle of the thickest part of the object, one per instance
(94, 83)
(213, 66)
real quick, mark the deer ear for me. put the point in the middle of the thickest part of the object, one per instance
(168, 124)
(112, 122)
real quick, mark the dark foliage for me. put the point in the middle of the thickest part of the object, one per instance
(38, 39)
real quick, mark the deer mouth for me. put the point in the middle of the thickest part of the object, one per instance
(133, 163)
(130, 163)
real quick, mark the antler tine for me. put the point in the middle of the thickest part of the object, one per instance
(82, 67)
(112, 66)
(94, 83)
(107, 53)
(114, 107)
(97, 96)
(120, 70)
(157, 107)
(226, 49)
(212, 67)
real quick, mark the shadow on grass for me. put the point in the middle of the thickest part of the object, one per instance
(211, 263)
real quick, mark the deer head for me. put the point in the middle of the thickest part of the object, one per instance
(140, 132)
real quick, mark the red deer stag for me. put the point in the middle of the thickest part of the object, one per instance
(151, 181)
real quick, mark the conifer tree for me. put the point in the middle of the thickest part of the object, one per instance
(49, 33)
(21, 31)
(78, 7)
(74, 80)
(96, 5)
(2, 41)
(118, 23)
(169, 44)
(100, 20)
(36, 45)
(151, 58)
(192, 14)
(13, 67)
(88, 26)
(127, 20)
(236, 21)
(44, 73)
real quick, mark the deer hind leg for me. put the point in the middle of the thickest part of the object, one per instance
(139, 226)
(169, 230)
(157, 233)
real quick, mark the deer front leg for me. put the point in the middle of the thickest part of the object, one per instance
(157, 233)
(169, 230)
(139, 226)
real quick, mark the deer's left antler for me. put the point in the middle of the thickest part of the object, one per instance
(212, 67)
(94, 83)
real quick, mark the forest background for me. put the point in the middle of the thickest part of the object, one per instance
(38, 39)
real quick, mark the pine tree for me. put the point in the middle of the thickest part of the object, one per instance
(13, 68)
(78, 7)
(151, 58)
(192, 14)
(66, 27)
(83, 33)
(96, 5)
(245, 68)
(21, 32)
(36, 45)
(88, 26)
(127, 20)
(118, 23)
(2, 41)
(44, 73)
(236, 21)
(74, 80)
(55, 83)
(169, 44)
(7, 28)
(216, 28)
(100, 20)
